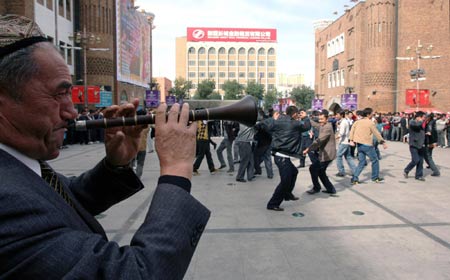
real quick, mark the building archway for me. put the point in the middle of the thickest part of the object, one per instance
(334, 107)
(123, 97)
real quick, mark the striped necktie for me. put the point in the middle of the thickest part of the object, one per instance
(49, 175)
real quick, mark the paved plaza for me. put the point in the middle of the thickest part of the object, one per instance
(399, 229)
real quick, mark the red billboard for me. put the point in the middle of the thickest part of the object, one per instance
(218, 34)
(412, 98)
(78, 94)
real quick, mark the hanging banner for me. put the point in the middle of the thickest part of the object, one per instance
(152, 98)
(317, 104)
(422, 99)
(170, 100)
(78, 94)
(105, 99)
(349, 101)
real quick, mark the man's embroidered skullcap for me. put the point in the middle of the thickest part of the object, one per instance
(18, 32)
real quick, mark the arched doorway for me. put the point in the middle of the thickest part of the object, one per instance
(123, 97)
(334, 107)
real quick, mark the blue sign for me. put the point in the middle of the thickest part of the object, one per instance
(106, 99)
(152, 98)
(170, 100)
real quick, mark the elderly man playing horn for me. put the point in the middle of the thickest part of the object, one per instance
(47, 224)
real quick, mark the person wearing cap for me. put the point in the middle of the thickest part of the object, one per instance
(48, 229)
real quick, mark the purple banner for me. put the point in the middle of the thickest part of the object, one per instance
(170, 100)
(317, 104)
(349, 101)
(276, 107)
(152, 98)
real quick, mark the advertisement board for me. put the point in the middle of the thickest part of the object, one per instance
(152, 98)
(170, 100)
(78, 94)
(317, 104)
(218, 34)
(133, 45)
(106, 99)
(349, 101)
(423, 99)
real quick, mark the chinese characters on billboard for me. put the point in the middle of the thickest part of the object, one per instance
(208, 34)
(349, 101)
(317, 104)
(78, 94)
(133, 45)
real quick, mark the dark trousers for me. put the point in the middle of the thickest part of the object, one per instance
(288, 176)
(416, 161)
(428, 157)
(246, 164)
(319, 170)
(263, 154)
(203, 150)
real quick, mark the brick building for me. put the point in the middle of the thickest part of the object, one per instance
(98, 19)
(357, 54)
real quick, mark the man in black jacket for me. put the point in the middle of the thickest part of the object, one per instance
(431, 143)
(286, 133)
(416, 145)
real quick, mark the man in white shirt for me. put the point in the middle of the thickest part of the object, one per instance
(344, 147)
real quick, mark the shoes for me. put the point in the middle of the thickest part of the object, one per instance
(222, 166)
(301, 166)
(405, 174)
(354, 182)
(241, 180)
(230, 170)
(195, 173)
(340, 174)
(293, 198)
(214, 171)
(251, 179)
(313, 191)
(420, 179)
(236, 161)
(428, 167)
(270, 176)
(378, 180)
(257, 173)
(325, 191)
(435, 174)
(150, 151)
(275, 208)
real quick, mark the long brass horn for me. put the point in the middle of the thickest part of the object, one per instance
(245, 111)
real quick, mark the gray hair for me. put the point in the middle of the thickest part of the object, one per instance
(16, 69)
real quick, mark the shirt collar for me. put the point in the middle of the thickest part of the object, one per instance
(29, 162)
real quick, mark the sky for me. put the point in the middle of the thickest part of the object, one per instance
(293, 20)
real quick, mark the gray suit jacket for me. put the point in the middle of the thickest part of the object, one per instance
(325, 143)
(42, 237)
(416, 134)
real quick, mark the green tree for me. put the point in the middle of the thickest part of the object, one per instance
(255, 90)
(302, 96)
(205, 89)
(270, 98)
(233, 90)
(181, 88)
(215, 96)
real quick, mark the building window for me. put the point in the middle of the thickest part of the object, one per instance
(222, 74)
(201, 74)
(222, 63)
(69, 54)
(271, 63)
(191, 50)
(342, 77)
(231, 75)
(271, 51)
(50, 4)
(212, 62)
(329, 80)
(261, 51)
(251, 63)
(212, 51)
(62, 49)
(232, 51)
(241, 51)
(251, 74)
(201, 51)
(232, 63)
(261, 63)
(271, 86)
(211, 74)
(222, 51)
(271, 75)
(251, 51)
(220, 86)
(191, 74)
(201, 63)
(68, 10)
(241, 63)
(241, 74)
(191, 62)
(261, 75)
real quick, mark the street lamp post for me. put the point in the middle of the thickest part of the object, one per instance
(85, 39)
(418, 74)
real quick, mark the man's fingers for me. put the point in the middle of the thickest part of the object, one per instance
(184, 115)
(173, 113)
(110, 112)
(160, 118)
